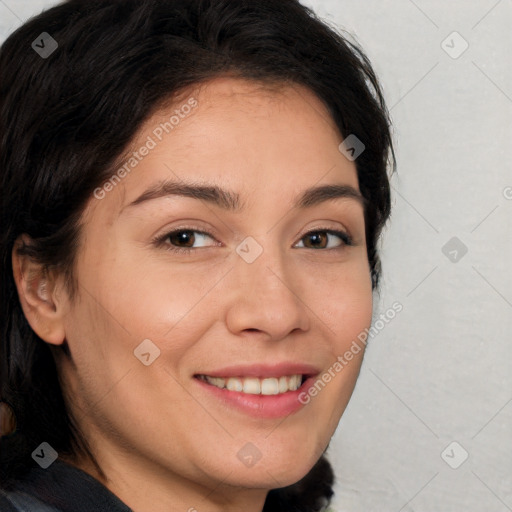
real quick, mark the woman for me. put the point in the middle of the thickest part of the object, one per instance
(192, 195)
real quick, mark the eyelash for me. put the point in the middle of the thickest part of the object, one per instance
(161, 240)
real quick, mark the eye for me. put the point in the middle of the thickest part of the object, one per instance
(185, 240)
(325, 239)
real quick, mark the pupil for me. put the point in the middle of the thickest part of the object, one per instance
(184, 237)
(317, 239)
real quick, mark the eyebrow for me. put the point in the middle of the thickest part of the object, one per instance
(231, 201)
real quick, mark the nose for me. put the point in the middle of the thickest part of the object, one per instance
(264, 297)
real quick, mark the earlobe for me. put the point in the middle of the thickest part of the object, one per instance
(37, 293)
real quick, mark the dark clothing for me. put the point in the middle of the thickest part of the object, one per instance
(59, 488)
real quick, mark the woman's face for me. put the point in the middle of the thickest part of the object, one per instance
(213, 262)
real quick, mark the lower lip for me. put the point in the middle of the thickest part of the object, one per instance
(260, 406)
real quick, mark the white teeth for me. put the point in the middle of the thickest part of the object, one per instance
(235, 384)
(269, 387)
(255, 386)
(295, 381)
(283, 384)
(217, 381)
(252, 386)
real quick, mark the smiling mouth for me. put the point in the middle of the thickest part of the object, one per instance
(257, 386)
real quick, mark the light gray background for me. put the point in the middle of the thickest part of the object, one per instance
(441, 370)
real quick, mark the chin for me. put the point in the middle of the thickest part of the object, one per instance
(273, 471)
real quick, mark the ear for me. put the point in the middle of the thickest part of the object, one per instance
(37, 291)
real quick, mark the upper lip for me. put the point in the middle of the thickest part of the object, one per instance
(263, 370)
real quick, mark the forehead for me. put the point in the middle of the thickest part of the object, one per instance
(241, 134)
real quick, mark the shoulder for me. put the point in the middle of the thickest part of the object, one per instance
(16, 501)
(5, 503)
(61, 487)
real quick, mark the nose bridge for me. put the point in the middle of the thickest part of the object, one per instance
(266, 298)
(263, 265)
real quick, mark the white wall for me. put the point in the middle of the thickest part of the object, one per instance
(441, 370)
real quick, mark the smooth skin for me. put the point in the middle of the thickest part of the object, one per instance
(162, 440)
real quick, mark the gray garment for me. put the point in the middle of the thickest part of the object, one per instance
(59, 488)
(22, 502)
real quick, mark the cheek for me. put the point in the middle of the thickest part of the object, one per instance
(144, 295)
(167, 303)
(342, 299)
